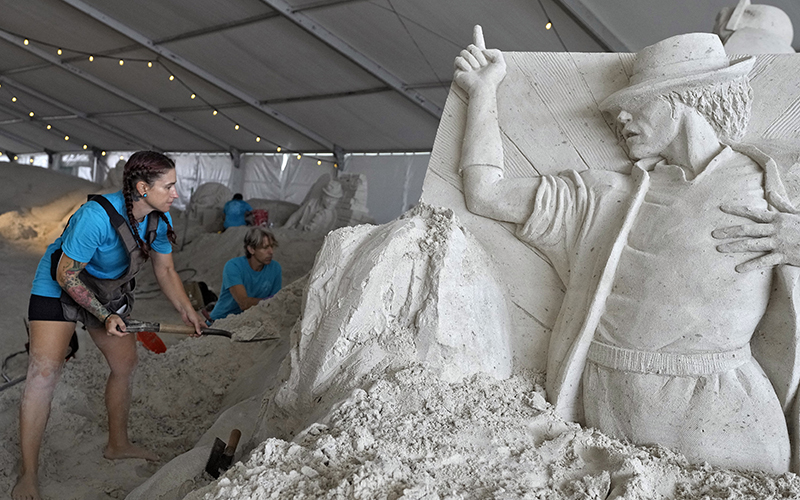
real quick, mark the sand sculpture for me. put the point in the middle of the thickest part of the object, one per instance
(318, 213)
(754, 29)
(658, 320)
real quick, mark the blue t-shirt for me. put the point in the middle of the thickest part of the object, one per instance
(234, 213)
(258, 284)
(90, 238)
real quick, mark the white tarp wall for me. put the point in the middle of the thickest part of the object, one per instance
(394, 181)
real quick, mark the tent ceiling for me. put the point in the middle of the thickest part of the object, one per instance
(306, 75)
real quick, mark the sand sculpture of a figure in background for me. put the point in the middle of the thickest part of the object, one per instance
(318, 214)
(653, 339)
(754, 29)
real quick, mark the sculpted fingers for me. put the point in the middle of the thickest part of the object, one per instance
(467, 56)
(748, 245)
(754, 214)
(477, 53)
(751, 230)
(462, 65)
(764, 262)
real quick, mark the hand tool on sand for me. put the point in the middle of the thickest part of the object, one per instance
(222, 456)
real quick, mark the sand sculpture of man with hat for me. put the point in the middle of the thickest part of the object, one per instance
(667, 327)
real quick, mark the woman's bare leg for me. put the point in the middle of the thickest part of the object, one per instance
(120, 353)
(49, 341)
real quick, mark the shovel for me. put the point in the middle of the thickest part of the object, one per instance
(146, 333)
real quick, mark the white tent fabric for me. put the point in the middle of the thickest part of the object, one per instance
(394, 181)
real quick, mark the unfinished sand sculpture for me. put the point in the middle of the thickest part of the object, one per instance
(754, 29)
(317, 214)
(660, 315)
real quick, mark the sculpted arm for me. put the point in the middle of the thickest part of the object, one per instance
(68, 277)
(479, 72)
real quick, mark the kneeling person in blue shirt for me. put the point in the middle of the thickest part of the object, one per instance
(249, 279)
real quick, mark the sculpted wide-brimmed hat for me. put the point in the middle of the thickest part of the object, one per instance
(677, 63)
(333, 189)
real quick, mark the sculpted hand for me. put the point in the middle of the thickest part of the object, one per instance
(776, 233)
(477, 68)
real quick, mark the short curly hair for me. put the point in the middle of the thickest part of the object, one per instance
(726, 105)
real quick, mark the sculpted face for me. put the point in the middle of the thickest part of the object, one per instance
(648, 127)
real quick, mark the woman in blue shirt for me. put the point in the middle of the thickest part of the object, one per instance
(85, 276)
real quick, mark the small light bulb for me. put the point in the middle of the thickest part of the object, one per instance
(30, 160)
(30, 114)
(299, 156)
(319, 162)
(59, 52)
(66, 137)
(121, 62)
(26, 41)
(91, 58)
(49, 126)
(149, 64)
(194, 95)
(121, 157)
(171, 77)
(335, 165)
(85, 146)
(236, 126)
(16, 157)
(258, 139)
(279, 149)
(103, 153)
(215, 112)
(13, 99)
(548, 25)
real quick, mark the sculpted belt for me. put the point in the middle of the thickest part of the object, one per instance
(667, 363)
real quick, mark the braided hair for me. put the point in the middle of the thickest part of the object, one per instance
(145, 166)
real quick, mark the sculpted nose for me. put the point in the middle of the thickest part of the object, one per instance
(624, 117)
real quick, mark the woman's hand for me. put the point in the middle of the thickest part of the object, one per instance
(195, 319)
(114, 325)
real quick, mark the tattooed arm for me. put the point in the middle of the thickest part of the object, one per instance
(67, 276)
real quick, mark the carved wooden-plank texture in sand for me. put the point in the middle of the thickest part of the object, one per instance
(550, 122)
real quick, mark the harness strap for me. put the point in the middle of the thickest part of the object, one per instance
(667, 363)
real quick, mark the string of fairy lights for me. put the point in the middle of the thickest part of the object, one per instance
(172, 76)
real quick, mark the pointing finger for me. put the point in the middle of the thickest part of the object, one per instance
(477, 37)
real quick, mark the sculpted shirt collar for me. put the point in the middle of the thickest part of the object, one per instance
(659, 163)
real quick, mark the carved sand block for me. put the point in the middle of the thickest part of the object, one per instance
(550, 121)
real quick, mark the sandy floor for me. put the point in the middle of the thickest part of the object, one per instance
(401, 433)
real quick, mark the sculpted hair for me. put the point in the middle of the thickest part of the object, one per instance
(727, 106)
(145, 166)
(254, 238)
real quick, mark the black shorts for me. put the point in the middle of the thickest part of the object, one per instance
(45, 309)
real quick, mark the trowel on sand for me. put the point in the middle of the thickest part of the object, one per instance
(221, 455)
